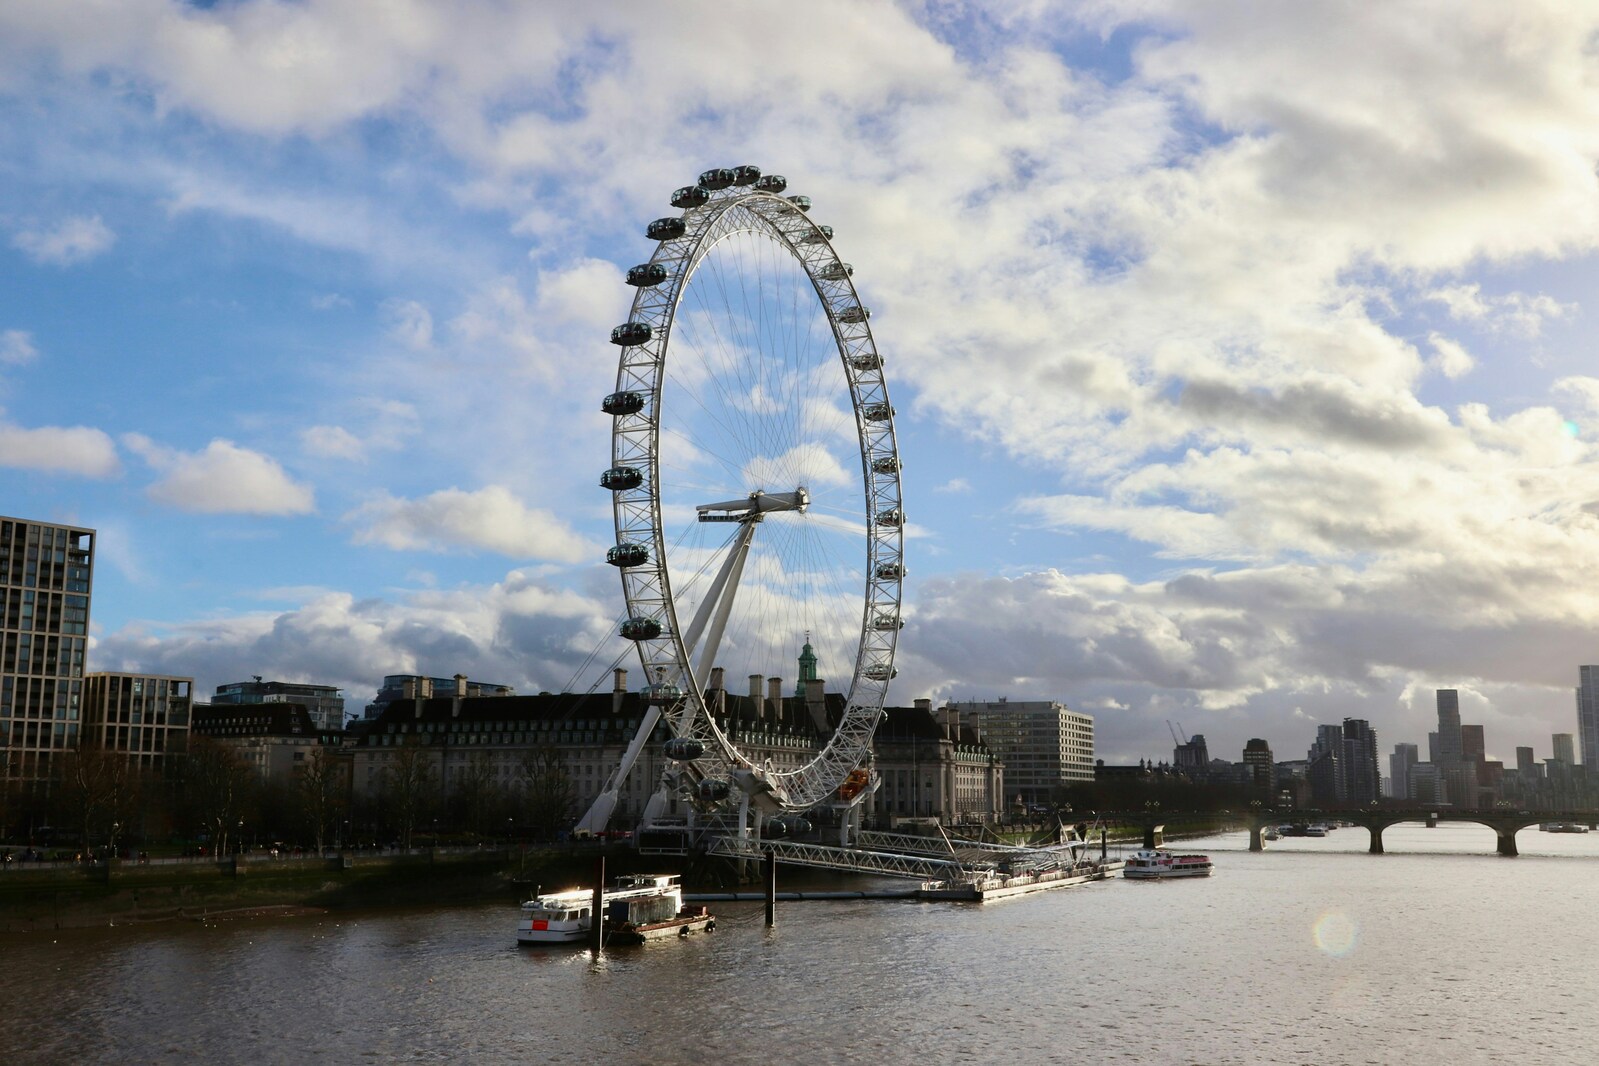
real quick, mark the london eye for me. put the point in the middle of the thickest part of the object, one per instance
(755, 477)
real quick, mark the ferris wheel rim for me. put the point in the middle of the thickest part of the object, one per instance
(683, 247)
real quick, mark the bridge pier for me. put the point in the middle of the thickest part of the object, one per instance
(1507, 842)
(1256, 841)
(1376, 839)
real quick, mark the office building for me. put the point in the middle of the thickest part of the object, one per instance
(1447, 753)
(1527, 765)
(274, 737)
(1044, 744)
(1400, 764)
(1588, 714)
(46, 580)
(322, 702)
(1258, 764)
(1565, 749)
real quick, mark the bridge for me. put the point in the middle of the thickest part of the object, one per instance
(1506, 823)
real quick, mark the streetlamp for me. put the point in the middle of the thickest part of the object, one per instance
(240, 847)
(114, 827)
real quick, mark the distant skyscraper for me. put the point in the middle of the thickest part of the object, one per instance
(1258, 761)
(1565, 750)
(1400, 763)
(1473, 746)
(1526, 764)
(1448, 753)
(1192, 757)
(1588, 714)
(1325, 766)
(1362, 782)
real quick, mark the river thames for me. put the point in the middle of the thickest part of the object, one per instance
(1312, 952)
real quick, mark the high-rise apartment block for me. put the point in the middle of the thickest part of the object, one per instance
(46, 574)
(144, 715)
(1362, 779)
(1564, 748)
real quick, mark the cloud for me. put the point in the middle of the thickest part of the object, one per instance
(223, 478)
(330, 301)
(16, 347)
(77, 450)
(490, 518)
(332, 442)
(410, 323)
(1515, 313)
(73, 240)
(1449, 358)
(518, 631)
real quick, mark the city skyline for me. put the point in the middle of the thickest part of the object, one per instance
(1225, 398)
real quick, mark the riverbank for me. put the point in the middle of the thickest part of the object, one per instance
(43, 897)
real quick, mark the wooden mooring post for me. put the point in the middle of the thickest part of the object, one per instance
(596, 908)
(771, 887)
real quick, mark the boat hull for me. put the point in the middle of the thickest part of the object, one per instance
(1003, 888)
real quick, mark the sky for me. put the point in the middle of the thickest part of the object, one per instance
(1240, 352)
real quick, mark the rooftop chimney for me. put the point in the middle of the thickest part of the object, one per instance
(618, 689)
(816, 703)
(774, 696)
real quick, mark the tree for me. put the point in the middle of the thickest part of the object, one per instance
(546, 787)
(408, 787)
(100, 791)
(217, 788)
(323, 791)
(478, 800)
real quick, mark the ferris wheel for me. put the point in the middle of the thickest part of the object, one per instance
(756, 483)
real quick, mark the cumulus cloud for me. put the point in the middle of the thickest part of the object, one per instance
(222, 478)
(1449, 358)
(490, 518)
(76, 450)
(518, 631)
(1184, 295)
(16, 347)
(332, 442)
(73, 240)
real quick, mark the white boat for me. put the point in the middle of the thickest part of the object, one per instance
(998, 884)
(1564, 827)
(636, 908)
(1149, 864)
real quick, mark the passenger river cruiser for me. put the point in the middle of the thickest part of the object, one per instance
(1149, 865)
(638, 907)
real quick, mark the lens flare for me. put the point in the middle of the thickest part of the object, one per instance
(1334, 933)
(1572, 429)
